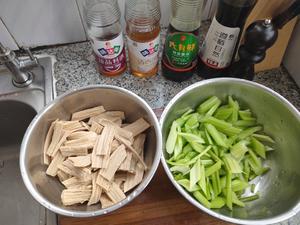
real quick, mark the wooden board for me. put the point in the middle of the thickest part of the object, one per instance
(159, 204)
(268, 9)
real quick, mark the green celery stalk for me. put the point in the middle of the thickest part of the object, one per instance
(249, 131)
(263, 138)
(195, 173)
(212, 110)
(217, 203)
(197, 147)
(208, 189)
(212, 169)
(201, 199)
(193, 160)
(245, 123)
(252, 188)
(172, 137)
(232, 165)
(258, 147)
(208, 138)
(239, 149)
(192, 137)
(239, 185)
(192, 122)
(202, 181)
(178, 145)
(181, 169)
(236, 201)
(223, 113)
(228, 190)
(186, 184)
(223, 126)
(250, 198)
(216, 136)
(246, 115)
(206, 105)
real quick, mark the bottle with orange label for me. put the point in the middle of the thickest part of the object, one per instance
(181, 46)
(143, 39)
(103, 25)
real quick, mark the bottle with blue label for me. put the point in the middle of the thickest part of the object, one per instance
(102, 19)
(143, 39)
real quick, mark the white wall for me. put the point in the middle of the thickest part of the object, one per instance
(32, 23)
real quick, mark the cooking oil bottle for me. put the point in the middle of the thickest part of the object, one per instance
(143, 39)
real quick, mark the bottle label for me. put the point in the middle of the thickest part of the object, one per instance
(143, 56)
(219, 44)
(110, 54)
(181, 49)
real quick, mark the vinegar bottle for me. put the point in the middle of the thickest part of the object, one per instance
(220, 45)
(143, 39)
(102, 19)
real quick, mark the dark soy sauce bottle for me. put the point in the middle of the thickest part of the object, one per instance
(221, 42)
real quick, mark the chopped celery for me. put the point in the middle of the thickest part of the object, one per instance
(216, 135)
(212, 169)
(249, 198)
(217, 203)
(205, 106)
(258, 147)
(181, 169)
(232, 165)
(215, 152)
(186, 184)
(249, 131)
(263, 138)
(192, 137)
(239, 149)
(252, 188)
(172, 137)
(201, 199)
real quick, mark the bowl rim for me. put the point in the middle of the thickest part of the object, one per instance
(180, 189)
(74, 213)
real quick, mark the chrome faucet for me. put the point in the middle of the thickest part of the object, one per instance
(20, 68)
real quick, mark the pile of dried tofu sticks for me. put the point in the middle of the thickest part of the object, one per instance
(96, 156)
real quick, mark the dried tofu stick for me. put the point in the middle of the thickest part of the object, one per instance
(107, 116)
(119, 114)
(71, 125)
(105, 201)
(97, 160)
(120, 178)
(104, 140)
(81, 161)
(90, 140)
(87, 113)
(119, 131)
(81, 134)
(61, 141)
(115, 160)
(138, 145)
(86, 126)
(115, 193)
(75, 182)
(53, 167)
(47, 142)
(57, 135)
(114, 145)
(62, 176)
(138, 126)
(103, 183)
(135, 154)
(125, 166)
(74, 196)
(96, 127)
(96, 190)
(134, 179)
(68, 167)
(74, 150)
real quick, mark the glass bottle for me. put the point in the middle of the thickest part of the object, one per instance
(103, 25)
(143, 39)
(181, 46)
(222, 39)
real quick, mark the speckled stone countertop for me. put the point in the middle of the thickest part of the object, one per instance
(75, 67)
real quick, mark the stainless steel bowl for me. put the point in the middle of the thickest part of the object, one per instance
(280, 188)
(46, 190)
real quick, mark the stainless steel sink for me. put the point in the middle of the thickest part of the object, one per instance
(18, 106)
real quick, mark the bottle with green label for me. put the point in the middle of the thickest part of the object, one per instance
(179, 59)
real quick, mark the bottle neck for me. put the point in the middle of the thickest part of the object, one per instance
(283, 18)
